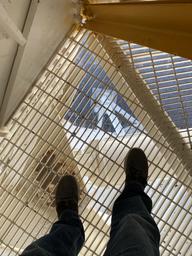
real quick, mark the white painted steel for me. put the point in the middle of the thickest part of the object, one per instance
(10, 28)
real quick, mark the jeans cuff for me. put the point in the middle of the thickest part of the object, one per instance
(134, 189)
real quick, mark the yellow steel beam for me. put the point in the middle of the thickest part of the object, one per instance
(162, 25)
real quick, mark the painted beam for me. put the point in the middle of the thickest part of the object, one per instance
(16, 66)
(162, 25)
(10, 28)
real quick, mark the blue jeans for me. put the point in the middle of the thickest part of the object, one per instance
(133, 230)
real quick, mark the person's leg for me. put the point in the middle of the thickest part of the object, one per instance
(133, 230)
(67, 234)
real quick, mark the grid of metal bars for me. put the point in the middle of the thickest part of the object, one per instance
(46, 141)
(169, 79)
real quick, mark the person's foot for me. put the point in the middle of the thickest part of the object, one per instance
(136, 166)
(67, 194)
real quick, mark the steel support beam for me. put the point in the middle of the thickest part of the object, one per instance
(139, 93)
(10, 28)
(162, 25)
(16, 65)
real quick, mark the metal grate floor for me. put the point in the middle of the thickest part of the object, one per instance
(78, 118)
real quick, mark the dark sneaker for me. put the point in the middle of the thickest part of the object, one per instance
(67, 194)
(136, 166)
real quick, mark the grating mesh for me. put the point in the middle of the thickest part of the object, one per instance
(169, 79)
(75, 120)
